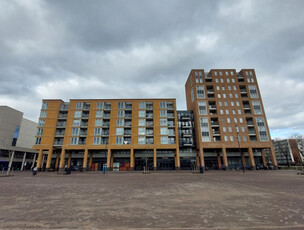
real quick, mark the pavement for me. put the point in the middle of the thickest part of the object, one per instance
(162, 200)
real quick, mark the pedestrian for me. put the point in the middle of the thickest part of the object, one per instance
(34, 171)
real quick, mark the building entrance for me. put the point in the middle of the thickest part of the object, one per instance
(165, 163)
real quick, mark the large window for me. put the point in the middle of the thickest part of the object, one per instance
(120, 122)
(77, 114)
(97, 131)
(75, 131)
(43, 114)
(98, 122)
(163, 131)
(99, 113)
(100, 105)
(256, 107)
(262, 129)
(141, 131)
(119, 131)
(163, 113)
(202, 108)
(119, 140)
(97, 140)
(205, 129)
(76, 122)
(120, 113)
(164, 140)
(38, 141)
(141, 140)
(142, 105)
(74, 140)
(41, 123)
(39, 132)
(163, 105)
(163, 122)
(253, 91)
(200, 92)
(142, 122)
(121, 105)
(141, 113)
(79, 105)
(45, 105)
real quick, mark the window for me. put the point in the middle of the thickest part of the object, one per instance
(202, 108)
(201, 77)
(216, 80)
(235, 121)
(234, 88)
(41, 123)
(224, 129)
(39, 132)
(119, 140)
(217, 87)
(121, 105)
(244, 138)
(99, 113)
(163, 122)
(164, 131)
(77, 114)
(241, 120)
(163, 113)
(233, 80)
(232, 103)
(76, 122)
(221, 111)
(119, 131)
(231, 138)
(239, 112)
(45, 105)
(192, 95)
(142, 105)
(243, 129)
(228, 120)
(141, 113)
(98, 122)
(231, 73)
(257, 107)
(141, 140)
(227, 73)
(43, 114)
(215, 73)
(120, 113)
(225, 138)
(141, 131)
(219, 95)
(220, 103)
(233, 111)
(222, 80)
(200, 92)
(221, 74)
(38, 141)
(228, 80)
(142, 122)
(227, 111)
(229, 87)
(230, 129)
(74, 140)
(75, 131)
(237, 103)
(224, 95)
(79, 105)
(262, 128)
(100, 105)
(236, 95)
(97, 131)
(205, 129)
(223, 87)
(163, 105)
(164, 140)
(253, 91)
(97, 140)
(225, 103)
(196, 77)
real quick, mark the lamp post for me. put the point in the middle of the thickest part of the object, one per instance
(237, 137)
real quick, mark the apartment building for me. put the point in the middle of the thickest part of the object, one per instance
(289, 151)
(133, 133)
(230, 123)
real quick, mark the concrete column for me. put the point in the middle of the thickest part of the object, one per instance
(43, 159)
(109, 159)
(34, 161)
(112, 160)
(202, 160)
(177, 162)
(38, 165)
(225, 159)
(219, 161)
(273, 157)
(91, 160)
(263, 157)
(62, 161)
(243, 159)
(132, 159)
(197, 160)
(251, 158)
(85, 160)
(69, 159)
(154, 159)
(57, 161)
(23, 161)
(49, 159)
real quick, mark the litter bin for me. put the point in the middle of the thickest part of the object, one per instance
(104, 168)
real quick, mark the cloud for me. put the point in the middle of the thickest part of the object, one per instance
(135, 49)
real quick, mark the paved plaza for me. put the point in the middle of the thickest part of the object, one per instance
(162, 200)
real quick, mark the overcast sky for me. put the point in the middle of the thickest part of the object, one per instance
(146, 49)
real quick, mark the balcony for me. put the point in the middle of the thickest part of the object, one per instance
(85, 116)
(250, 123)
(86, 107)
(187, 134)
(149, 107)
(185, 117)
(186, 126)
(216, 133)
(59, 134)
(214, 123)
(246, 106)
(64, 107)
(127, 133)
(186, 143)
(84, 124)
(172, 134)
(149, 115)
(61, 124)
(83, 134)
(62, 116)
(58, 143)
(149, 133)
(107, 107)
(128, 124)
(170, 115)
(128, 107)
(105, 133)
(149, 123)
(105, 124)
(106, 116)
(170, 123)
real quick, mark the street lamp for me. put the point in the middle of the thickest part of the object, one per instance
(237, 137)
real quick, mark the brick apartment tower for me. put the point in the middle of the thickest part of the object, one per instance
(230, 123)
(133, 132)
